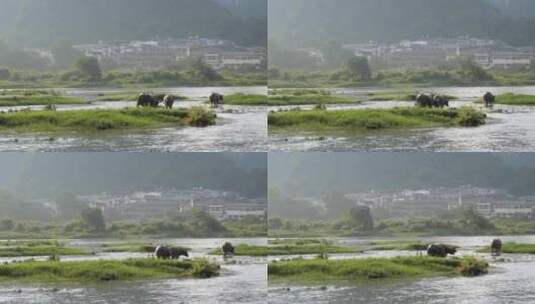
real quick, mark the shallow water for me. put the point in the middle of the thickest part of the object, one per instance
(238, 128)
(509, 128)
(510, 281)
(242, 280)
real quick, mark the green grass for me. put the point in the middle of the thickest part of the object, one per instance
(310, 99)
(297, 241)
(512, 247)
(366, 269)
(102, 120)
(35, 97)
(515, 99)
(288, 249)
(245, 99)
(129, 96)
(40, 250)
(398, 245)
(132, 247)
(375, 119)
(104, 270)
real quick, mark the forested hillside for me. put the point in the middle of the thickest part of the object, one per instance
(89, 21)
(309, 22)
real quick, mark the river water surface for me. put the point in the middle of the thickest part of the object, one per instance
(238, 128)
(242, 280)
(508, 128)
(511, 280)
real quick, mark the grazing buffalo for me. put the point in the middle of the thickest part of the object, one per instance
(216, 99)
(166, 253)
(431, 101)
(145, 100)
(496, 247)
(169, 101)
(227, 249)
(489, 99)
(440, 250)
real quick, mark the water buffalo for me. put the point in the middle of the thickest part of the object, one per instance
(489, 99)
(145, 100)
(175, 253)
(227, 249)
(496, 247)
(169, 101)
(440, 250)
(216, 99)
(166, 253)
(431, 101)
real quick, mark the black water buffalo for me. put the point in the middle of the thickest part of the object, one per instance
(216, 99)
(169, 101)
(145, 100)
(489, 99)
(166, 253)
(227, 249)
(440, 250)
(496, 247)
(431, 101)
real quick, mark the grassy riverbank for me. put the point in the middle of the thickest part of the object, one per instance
(129, 96)
(374, 119)
(102, 120)
(367, 269)
(512, 247)
(516, 99)
(307, 97)
(38, 248)
(240, 99)
(107, 270)
(289, 249)
(35, 97)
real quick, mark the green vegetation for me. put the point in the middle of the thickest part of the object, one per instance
(35, 97)
(513, 247)
(103, 270)
(515, 99)
(309, 98)
(374, 119)
(37, 248)
(129, 96)
(398, 245)
(245, 99)
(290, 249)
(102, 120)
(322, 270)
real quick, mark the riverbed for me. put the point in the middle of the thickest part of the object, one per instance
(242, 280)
(511, 279)
(508, 128)
(237, 129)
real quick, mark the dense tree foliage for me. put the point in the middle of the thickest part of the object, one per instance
(93, 219)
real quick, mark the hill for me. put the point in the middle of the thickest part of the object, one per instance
(43, 22)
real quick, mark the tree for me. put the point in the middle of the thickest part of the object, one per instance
(470, 218)
(93, 219)
(4, 74)
(89, 67)
(359, 68)
(472, 71)
(7, 224)
(64, 54)
(361, 218)
(205, 222)
(204, 72)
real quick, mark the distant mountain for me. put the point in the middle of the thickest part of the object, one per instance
(515, 8)
(299, 23)
(43, 22)
(246, 8)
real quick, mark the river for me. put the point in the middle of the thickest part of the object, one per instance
(511, 279)
(508, 129)
(242, 280)
(237, 129)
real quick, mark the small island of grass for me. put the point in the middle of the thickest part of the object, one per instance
(107, 270)
(366, 269)
(307, 97)
(36, 97)
(241, 99)
(374, 119)
(101, 120)
(288, 249)
(514, 248)
(38, 248)
(516, 99)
